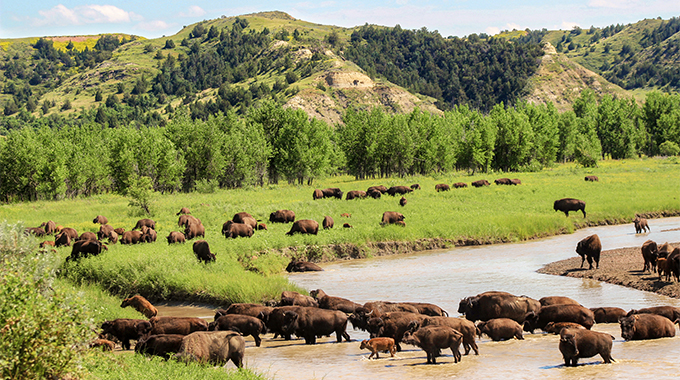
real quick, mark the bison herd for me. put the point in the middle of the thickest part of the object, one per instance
(496, 314)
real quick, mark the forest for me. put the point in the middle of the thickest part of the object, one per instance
(270, 143)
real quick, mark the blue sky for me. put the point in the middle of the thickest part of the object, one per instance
(152, 18)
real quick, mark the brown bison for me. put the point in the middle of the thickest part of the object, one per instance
(85, 248)
(333, 192)
(459, 185)
(73, 234)
(503, 181)
(47, 243)
(346, 225)
(184, 211)
(149, 236)
(317, 194)
(62, 240)
(415, 186)
(304, 226)
(650, 253)
(105, 344)
(379, 344)
(123, 329)
(640, 225)
(290, 298)
(193, 230)
(162, 345)
(393, 325)
(282, 216)
(670, 312)
(113, 237)
(120, 231)
(50, 227)
(302, 266)
(382, 189)
(480, 183)
(202, 251)
(576, 344)
(214, 347)
(310, 322)
(244, 324)
(131, 237)
(355, 194)
(262, 226)
(592, 178)
(251, 309)
(556, 300)
(99, 219)
(333, 303)
(589, 248)
(185, 220)
(441, 187)
(515, 182)
(327, 222)
(494, 304)
(145, 223)
(177, 325)
(500, 329)
(391, 217)
(570, 204)
(663, 269)
(556, 327)
(462, 325)
(373, 193)
(401, 190)
(104, 231)
(87, 236)
(646, 326)
(275, 318)
(234, 230)
(176, 237)
(433, 338)
(608, 314)
(559, 313)
(140, 304)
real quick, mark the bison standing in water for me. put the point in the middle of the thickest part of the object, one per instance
(640, 225)
(433, 338)
(214, 347)
(494, 304)
(646, 326)
(500, 329)
(379, 344)
(590, 248)
(303, 266)
(577, 343)
(570, 204)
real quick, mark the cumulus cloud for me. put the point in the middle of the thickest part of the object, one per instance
(492, 30)
(568, 25)
(153, 26)
(193, 11)
(60, 15)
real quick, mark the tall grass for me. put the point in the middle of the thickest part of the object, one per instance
(489, 214)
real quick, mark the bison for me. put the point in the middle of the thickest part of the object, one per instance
(480, 183)
(556, 300)
(327, 222)
(304, 226)
(459, 185)
(391, 217)
(234, 230)
(282, 216)
(559, 313)
(145, 223)
(355, 194)
(589, 248)
(303, 266)
(85, 248)
(608, 314)
(244, 324)
(503, 181)
(183, 211)
(160, 345)
(50, 227)
(202, 251)
(251, 309)
(401, 190)
(131, 237)
(441, 187)
(650, 253)
(317, 194)
(570, 204)
(415, 186)
(62, 240)
(576, 344)
(99, 219)
(123, 329)
(382, 189)
(646, 326)
(464, 326)
(332, 192)
(669, 312)
(393, 325)
(140, 304)
(310, 322)
(334, 303)
(214, 347)
(176, 237)
(494, 304)
(433, 338)
(500, 329)
(556, 327)
(379, 344)
(640, 225)
(290, 298)
(177, 325)
(193, 230)
(591, 178)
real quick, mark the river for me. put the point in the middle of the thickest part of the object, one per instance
(443, 277)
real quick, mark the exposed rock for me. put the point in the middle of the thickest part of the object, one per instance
(345, 79)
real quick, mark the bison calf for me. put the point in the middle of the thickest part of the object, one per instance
(433, 338)
(379, 344)
(140, 304)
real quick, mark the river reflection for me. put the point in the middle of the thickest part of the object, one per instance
(444, 277)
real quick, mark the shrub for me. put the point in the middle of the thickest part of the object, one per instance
(669, 148)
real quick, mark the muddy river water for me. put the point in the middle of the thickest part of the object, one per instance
(444, 277)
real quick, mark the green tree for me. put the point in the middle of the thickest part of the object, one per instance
(514, 139)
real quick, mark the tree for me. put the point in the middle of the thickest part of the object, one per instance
(98, 95)
(169, 44)
(140, 193)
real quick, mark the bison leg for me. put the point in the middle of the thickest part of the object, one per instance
(125, 343)
(566, 213)
(257, 338)
(590, 262)
(584, 212)
(346, 336)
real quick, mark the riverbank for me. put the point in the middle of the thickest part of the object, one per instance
(618, 266)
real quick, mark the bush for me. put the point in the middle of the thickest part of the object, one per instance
(140, 193)
(669, 148)
(206, 186)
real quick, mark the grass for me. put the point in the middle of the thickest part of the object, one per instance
(490, 214)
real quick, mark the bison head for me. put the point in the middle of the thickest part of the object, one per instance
(530, 322)
(628, 326)
(568, 343)
(375, 326)
(411, 339)
(289, 324)
(143, 328)
(413, 326)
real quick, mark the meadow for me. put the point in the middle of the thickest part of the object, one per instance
(249, 269)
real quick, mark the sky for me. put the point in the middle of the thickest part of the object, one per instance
(153, 18)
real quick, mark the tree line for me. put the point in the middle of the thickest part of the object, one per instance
(47, 160)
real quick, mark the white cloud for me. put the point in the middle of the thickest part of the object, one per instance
(568, 25)
(194, 11)
(153, 26)
(60, 15)
(492, 30)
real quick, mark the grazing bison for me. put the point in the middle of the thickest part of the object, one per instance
(379, 344)
(480, 183)
(373, 193)
(262, 226)
(503, 181)
(302, 266)
(104, 231)
(62, 240)
(234, 230)
(650, 253)
(113, 237)
(334, 303)
(346, 225)
(401, 190)
(240, 217)
(290, 298)
(282, 216)
(310, 322)
(577, 343)
(415, 186)
(402, 202)
(123, 329)
(85, 248)
(570, 204)
(185, 220)
(149, 236)
(327, 222)
(556, 300)
(183, 211)
(214, 347)
(433, 338)
(646, 326)
(670, 312)
(131, 237)
(202, 251)
(99, 219)
(50, 227)
(556, 327)
(382, 189)
(462, 325)
(73, 234)
(304, 226)
(120, 231)
(429, 309)
(459, 185)
(145, 223)
(589, 248)
(345, 215)
(105, 344)
(441, 187)
(608, 314)
(493, 304)
(317, 194)
(193, 230)
(176, 237)
(36, 231)
(391, 217)
(140, 304)
(665, 249)
(592, 178)
(559, 313)
(515, 182)
(244, 324)
(160, 345)
(47, 243)
(177, 325)
(500, 329)
(355, 194)
(87, 236)
(332, 192)
(640, 225)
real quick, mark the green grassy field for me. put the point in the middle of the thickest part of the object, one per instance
(491, 214)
